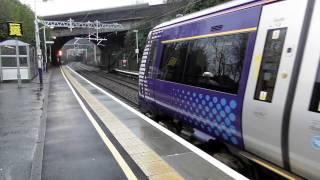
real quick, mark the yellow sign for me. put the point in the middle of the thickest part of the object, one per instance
(15, 29)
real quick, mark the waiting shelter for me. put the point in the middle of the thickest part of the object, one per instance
(8, 60)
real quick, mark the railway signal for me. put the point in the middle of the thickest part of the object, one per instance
(60, 53)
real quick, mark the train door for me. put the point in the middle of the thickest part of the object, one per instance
(271, 77)
(304, 131)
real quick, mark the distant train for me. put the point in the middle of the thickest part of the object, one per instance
(245, 73)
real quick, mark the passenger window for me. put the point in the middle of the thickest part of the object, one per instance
(216, 63)
(270, 64)
(173, 60)
(152, 58)
(315, 99)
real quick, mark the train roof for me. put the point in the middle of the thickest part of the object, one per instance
(224, 6)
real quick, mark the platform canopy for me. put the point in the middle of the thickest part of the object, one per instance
(13, 43)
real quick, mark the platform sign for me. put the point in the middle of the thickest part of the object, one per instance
(49, 42)
(15, 29)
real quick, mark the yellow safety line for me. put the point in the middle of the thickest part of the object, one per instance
(120, 160)
(273, 169)
(266, 165)
(211, 35)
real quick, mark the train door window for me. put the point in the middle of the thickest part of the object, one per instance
(173, 60)
(216, 63)
(315, 99)
(152, 58)
(270, 64)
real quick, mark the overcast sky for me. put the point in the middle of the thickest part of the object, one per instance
(65, 6)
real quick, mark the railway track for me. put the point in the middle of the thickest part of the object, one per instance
(121, 88)
(115, 78)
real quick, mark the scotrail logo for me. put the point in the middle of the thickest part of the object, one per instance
(316, 142)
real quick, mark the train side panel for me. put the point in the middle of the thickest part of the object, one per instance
(272, 80)
(194, 96)
(304, 132)
(143, 86)
(186, 62)
(147, 71)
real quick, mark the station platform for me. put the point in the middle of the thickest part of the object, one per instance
(72, 147)
(69, 128)
(22, 127)
(127, 144)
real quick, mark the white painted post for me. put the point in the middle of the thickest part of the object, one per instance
(18, 63)
(95, 53)
(45, 50)
(38, 50)
(50, 57)
(0, 66)
(137, 45)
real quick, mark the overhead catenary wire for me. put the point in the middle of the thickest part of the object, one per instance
(166, 14)
(139, 26)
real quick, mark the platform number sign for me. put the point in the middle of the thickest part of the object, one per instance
(15, 29)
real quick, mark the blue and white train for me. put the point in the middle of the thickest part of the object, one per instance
(246, 74)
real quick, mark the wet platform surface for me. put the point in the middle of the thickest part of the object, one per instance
(73, 149)
(186, 163)
(78, 131)
(21, 111)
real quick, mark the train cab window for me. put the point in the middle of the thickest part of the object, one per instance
(172, 63)
(152, 58)
(270, 64)
(216, 63)
(315, 99)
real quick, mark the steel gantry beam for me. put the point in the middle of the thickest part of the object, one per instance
(71, 24)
